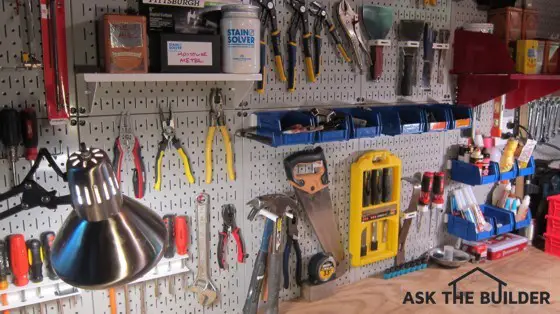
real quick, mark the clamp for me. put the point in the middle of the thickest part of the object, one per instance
(321, 17)
(169, 138)
(292, 240)
(269, 14)
(350, 21)
(229, 226)
(127, 146)
(217, 119)
(300, 19)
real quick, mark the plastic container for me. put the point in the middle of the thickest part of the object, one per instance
(461, 117)
(272, 123)
(510, 174)
(554, 206)
(240, 28)
(372, 118)
(527, 171)
(342, 134)
(438, 118)
(501, 220)
(413, 119)
(552, 244)
(524, 223)
(470, 174)
(553, 225)
(390, 120)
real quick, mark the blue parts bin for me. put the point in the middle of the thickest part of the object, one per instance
(341, 133)
(529, 170)
(510, 174)
(461, 117)
(271, 124)
(413, 119)
(438, 118)
(361, 116)
(523, 223)
(470, 174)
(502, 221)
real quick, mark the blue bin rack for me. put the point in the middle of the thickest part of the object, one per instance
(390, 120)
(438, 118)
(372, 118)
(342, 134)
(501, 220)
(461, 117)
(529, 170)
(412, 119)
(470, 174)
(271, 124)
(510, 174)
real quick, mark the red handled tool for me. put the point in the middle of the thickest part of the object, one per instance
(169, 251)
(229, 226)
(35, 258)
(181, 235)
(438, 190)
(29, 132)
(426, 191)
(18, 259)
(128, 147)
(47, 238)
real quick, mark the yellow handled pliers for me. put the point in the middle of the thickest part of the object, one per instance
(169, 138)
(218, 119)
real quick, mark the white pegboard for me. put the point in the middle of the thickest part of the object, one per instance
(259, 168)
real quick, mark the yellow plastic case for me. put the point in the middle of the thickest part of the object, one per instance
(389, 212)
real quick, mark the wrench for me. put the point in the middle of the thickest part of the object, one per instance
(530, 115)
(202, 285)
(555, 117)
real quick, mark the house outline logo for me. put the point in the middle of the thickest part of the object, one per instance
(500, 282)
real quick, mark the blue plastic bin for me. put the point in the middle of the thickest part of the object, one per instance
(372, 119)
(510, 174)
(461, 117)
(470, 174)
(438, 118)
(272, 123)
(412, 118)
(524, 223)
(529, 170)
(504, 220)
(390, 120)
(342, 134)
(465, 229)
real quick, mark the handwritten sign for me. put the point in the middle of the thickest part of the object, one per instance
(189, 53)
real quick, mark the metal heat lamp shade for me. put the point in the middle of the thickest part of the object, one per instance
(109, 239)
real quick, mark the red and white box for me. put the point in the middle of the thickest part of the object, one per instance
(498, 247)
(477, 249)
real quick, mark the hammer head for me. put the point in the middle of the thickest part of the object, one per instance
(277, 204)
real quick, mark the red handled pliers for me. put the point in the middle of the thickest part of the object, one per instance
(127, 146)
(228, 214)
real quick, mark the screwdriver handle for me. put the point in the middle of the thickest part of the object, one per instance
(29, 131)
(169, 251)
(4, 266)
(10, 125)
(18, 259)
(181, 235)
(35, 257)
(47, 239)
(426, 191)
(439, 188)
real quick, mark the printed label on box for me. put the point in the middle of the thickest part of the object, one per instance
(177, 3)
(189, 53)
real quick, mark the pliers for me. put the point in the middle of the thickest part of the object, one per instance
(127, 146)
(350, 21)
(292, 240)
(300, 19)
(169, 138)
(218, 119)
(229, 226)
(321, 17)
(269, 14)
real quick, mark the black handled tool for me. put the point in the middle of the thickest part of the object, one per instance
(30, 133)
(387, 185)
(429, 36)
(35, 255)
(169, 221)
(292, 240)
(47, 239)
(4, 265)
(10, 127)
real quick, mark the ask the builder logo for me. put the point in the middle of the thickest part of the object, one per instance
(499, 296)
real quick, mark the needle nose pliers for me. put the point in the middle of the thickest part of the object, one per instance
(168, 139)
(127, 146)
(218, 120)
(300, 20)
(292, 241)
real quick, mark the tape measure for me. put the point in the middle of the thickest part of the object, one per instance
(322, 268)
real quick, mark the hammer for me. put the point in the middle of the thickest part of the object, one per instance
(274, 207)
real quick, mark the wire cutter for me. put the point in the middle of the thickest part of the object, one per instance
(350, 21)
(127, 147)
(169, 138)
(300, 19)
(269, 14)
(321, 17)
(229, 226)
(292, 240)
(218, 119)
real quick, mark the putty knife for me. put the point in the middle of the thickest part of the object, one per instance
(409, 30)
(378, 21)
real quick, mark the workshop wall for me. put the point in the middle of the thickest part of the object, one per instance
(259, 168)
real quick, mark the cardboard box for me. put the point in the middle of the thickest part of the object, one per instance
(508, 23)
(125, 44)
(551, 50)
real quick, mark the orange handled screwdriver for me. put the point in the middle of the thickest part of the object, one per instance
(18, 259)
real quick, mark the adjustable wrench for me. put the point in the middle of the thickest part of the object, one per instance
(202, 285)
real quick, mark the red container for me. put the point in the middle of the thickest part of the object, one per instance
(553, 225)
(552, 244)
(554, 206)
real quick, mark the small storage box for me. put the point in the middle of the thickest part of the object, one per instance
(185, 53)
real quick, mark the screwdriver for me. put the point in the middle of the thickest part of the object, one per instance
(182, 240)
(47, 238)
(169, 252)
(18, 259)
(10, 125)
(438, 191)
(29, 132)
(35, 257)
